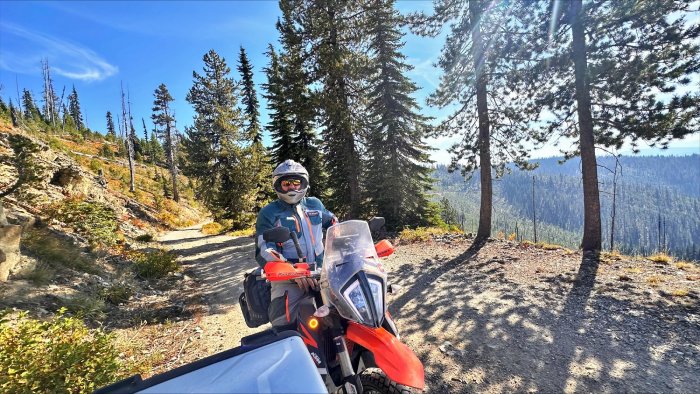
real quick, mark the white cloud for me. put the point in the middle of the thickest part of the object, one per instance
(67, 59)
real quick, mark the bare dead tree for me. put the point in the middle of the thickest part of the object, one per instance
(129, 142)
(50, 111)
(534, 213)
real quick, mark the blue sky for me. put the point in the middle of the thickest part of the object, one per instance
(98, 45)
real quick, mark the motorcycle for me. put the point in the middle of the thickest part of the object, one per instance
(345, 325)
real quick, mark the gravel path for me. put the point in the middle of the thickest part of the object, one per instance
(503, 318)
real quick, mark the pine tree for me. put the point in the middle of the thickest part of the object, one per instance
(215, 142)
(164, 121)
(74, 110)
(610, 72)
(111, 133)
(332, 29)
(280, 126)
(30, 109)
(156, 149)
(260, 162)
(398, 172)
(481, 60)
(295, 81)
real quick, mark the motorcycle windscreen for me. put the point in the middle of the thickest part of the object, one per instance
(283, 366)
(398, 362)
(349, 250)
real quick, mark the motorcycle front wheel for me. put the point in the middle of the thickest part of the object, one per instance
(374, 381)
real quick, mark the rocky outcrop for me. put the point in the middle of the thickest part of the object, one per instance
(9, 248)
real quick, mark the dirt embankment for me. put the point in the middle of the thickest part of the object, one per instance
(504, 317)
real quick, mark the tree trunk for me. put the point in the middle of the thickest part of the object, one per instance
(484, 139)
(592, 237)
(171, 160)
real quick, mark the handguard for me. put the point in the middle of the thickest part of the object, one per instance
(277, 271)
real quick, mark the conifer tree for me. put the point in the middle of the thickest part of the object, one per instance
(260, 162)
(481, 60)
(331, 28)
(610, 72)
(398, 175)
(30, 109)
(280, 126)
(214, 144)
(13, 115)
(301, 108)
(74, 110)
(128, 142)
(164, 120)
(111, 133)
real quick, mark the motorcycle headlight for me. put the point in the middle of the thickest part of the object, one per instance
(378, 295)
(358, 301)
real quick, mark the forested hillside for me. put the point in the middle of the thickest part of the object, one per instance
(657, 202)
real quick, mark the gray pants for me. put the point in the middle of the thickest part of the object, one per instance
(286, 297)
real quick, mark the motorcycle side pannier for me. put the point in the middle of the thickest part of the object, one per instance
(255, 299)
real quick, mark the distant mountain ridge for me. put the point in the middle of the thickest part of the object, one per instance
(657, 203)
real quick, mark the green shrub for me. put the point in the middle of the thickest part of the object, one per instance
(106, 151)
(60, 355)
(117, 293)
(54, 252)
(96, 221)
(86, 306)
(422, 234)
(144, 238)
(95, 165)
(154, 265)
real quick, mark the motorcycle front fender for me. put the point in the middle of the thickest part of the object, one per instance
(398, 362)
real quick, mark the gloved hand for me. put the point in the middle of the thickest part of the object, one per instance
(277, 255)
(307, 284)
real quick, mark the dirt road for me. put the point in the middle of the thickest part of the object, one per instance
(505, 318)
(219, 263)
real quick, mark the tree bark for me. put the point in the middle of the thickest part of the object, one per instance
(592, 236)
(484, 139)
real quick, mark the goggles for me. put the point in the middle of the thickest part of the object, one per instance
(290, 183)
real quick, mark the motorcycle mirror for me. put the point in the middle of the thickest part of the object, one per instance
(376, 223)
(277, 235)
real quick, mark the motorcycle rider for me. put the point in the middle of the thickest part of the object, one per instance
(307, 217)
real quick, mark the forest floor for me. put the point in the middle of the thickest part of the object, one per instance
(505, 317)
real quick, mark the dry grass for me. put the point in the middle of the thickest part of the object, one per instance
(655, 280)
(546, 246)
(685, 266)
(680, 293)
(212, 228)
(660, 258)
(248, 232)
(634, 270)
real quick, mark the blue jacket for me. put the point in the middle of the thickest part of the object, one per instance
(308, 219)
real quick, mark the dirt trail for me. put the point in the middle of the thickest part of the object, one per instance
(218, 263)
(504, 318)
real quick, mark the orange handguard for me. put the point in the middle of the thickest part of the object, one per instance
(277, 271)
(384, 248)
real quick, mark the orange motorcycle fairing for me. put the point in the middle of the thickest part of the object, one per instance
(398, 362)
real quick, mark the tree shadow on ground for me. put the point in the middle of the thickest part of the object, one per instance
(558, 335)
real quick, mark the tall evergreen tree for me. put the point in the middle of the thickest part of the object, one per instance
(280, 126)
(164, 120)
(481, 60)
(257, 153)
(30, 109)
(610, 72)
(398, 175)
(249, 98)
(111, 133)
(13, 115)
(332, 29)
(215, 143)
(74, 109)
(300, 101)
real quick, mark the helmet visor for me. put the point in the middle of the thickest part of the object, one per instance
(290, 182)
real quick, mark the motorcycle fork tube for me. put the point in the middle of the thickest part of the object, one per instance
(343, 356)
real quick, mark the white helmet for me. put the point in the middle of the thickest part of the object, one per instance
(290, 169)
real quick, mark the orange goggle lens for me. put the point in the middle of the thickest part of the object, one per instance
(292, 182)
